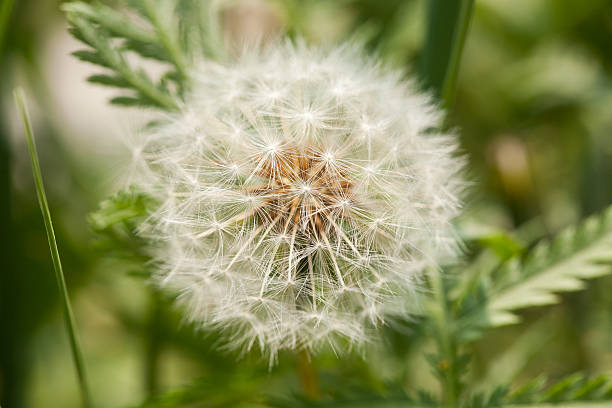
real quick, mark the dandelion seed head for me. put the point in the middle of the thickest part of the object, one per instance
(302, 194)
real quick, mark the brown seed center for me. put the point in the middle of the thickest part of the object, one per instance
(304, 189)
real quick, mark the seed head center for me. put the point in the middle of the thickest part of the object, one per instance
(302, 190)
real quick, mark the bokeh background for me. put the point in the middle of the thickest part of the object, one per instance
(534, 113)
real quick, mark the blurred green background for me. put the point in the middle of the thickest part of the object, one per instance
(534, 113)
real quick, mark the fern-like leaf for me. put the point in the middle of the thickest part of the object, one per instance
(551, 268)
(575, 390)
(110, 35)
(114, 224)
(360, 399)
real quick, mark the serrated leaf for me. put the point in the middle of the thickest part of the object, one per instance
(561, 266)
(78, 35)
(570, 391)
(563, 388)
(116, 23)
(128, 101)
(122, 207)
(115, 223)
(592, 388)
(528, 390)
(147, 50)
(99, 27)
(503, 245)
(92, 57)
(108, 80)
(360, 399)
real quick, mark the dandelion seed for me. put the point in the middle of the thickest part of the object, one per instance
(301, 196)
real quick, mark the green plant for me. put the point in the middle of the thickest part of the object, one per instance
(461, 304)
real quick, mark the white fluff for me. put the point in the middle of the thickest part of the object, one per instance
(302, 194)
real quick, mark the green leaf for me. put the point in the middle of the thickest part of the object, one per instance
(109, 80)
(115, 223)
(146, 50)
(503, 245)
(574, 388)
(125, 206)
(111, 34)
(360, 398)
(572, 391)
(219, 391)
(75, 347)
(91, 57)
(551, 268)
(128, 101)
(447, 26)
(114, 22)
(562, 390)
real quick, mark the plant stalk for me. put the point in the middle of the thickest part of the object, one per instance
(447, 348)
(153, 345)
(308, 376)
(57, 265)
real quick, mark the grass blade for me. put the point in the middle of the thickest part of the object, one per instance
(447, 28)
(57, 265)
(6, 9)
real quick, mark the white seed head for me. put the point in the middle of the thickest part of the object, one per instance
(302, 193)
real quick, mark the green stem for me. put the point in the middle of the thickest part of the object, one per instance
(153, 345)
(308, 376)
(447, 348)
(57, 265)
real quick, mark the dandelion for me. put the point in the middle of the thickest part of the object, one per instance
(301, 195)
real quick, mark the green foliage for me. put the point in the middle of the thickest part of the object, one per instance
(507, 275)
(115, 223)
(576, 254)
(75, 348)
(566, 392)
(570, 391)
(169, 32)
(221, 392)
(446, 31)
(361, 398)
(505, 278)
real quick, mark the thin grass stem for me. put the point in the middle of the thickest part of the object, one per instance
(447, 348)
(55, 256)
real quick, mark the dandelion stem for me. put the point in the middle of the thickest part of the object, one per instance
(447, 349)
(308, 375)
(153, 344)
(57, 265)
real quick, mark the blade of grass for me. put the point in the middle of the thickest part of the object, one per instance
(57, 265)
(447, 28)
(6, 9)
(461, 28)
